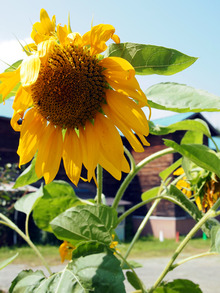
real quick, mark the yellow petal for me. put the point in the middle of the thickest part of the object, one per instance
(72, 156)
(90, 148)
(116, 39)
(120, 75)
(8, 81)
(75, 39)
(111, 152)
(116, 67)
(135, 143)
(43, 29)
(124, 107)
(23, 100)
(49, 153)
(44, 48)
(62, 33)
(29, 71)
(32, 129)
(97, 38)
(17, 115)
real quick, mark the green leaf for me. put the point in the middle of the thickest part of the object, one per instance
(58, 197)
(176, 196)
(151, 193)
(13, 67)
(26, 203)
(86, 223)
(133, 280)
(7, 261)
(178, 286)
(192, 137)
(197, 125)
(165, 173)
(150, 59)
(201, 155)
(181, 98)
(132, 264)
(215, 239)
(28, 176)
(96, 273)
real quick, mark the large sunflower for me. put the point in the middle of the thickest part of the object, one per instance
(72, 101)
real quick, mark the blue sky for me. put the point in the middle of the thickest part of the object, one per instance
(190, 26)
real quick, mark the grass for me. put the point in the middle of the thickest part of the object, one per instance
(146, 247)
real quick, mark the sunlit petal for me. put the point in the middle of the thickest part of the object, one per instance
(29, 71)
(72, 156)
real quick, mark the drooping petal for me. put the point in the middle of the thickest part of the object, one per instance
(23, 100)
(111, 153)
(97, 38)
(17, 115)
(121, 76)
(29, 71)
(50, 149)
(90, 148)
(44, 48)
(128, 133)
(124, 108)
(8, 81)
(33, 126)
(72, 156)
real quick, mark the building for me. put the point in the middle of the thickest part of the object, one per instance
(167, 217)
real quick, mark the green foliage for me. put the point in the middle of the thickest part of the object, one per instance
(133, 280)
(57, 197)
(86, 223)
(166, 172)
(215, 239)
(178, 286)
(28, 176)
(98, 272)
(27, 202)
(201, 155)
(150, 59)
(181, 98)
(7, 261)
(151, 193)
(196, 125)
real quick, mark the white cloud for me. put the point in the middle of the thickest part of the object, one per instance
(11, 51)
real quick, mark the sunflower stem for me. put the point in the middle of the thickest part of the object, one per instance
(100, 184)
(141, 227)
(124, 261)
(137, 206)
(7, 222)
(135, 170)
(193, 257)
(179, 249)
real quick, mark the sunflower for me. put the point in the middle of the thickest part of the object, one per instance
(72, 101)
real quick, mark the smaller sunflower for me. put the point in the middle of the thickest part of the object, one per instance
(72, 101)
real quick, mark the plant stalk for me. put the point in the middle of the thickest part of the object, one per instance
(141, 227)
(168, 267)
(135, 170)
(10, 224)
(100, 184)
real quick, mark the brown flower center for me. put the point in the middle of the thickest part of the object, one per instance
(70, 88)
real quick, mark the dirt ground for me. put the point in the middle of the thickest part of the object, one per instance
(204, 271)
